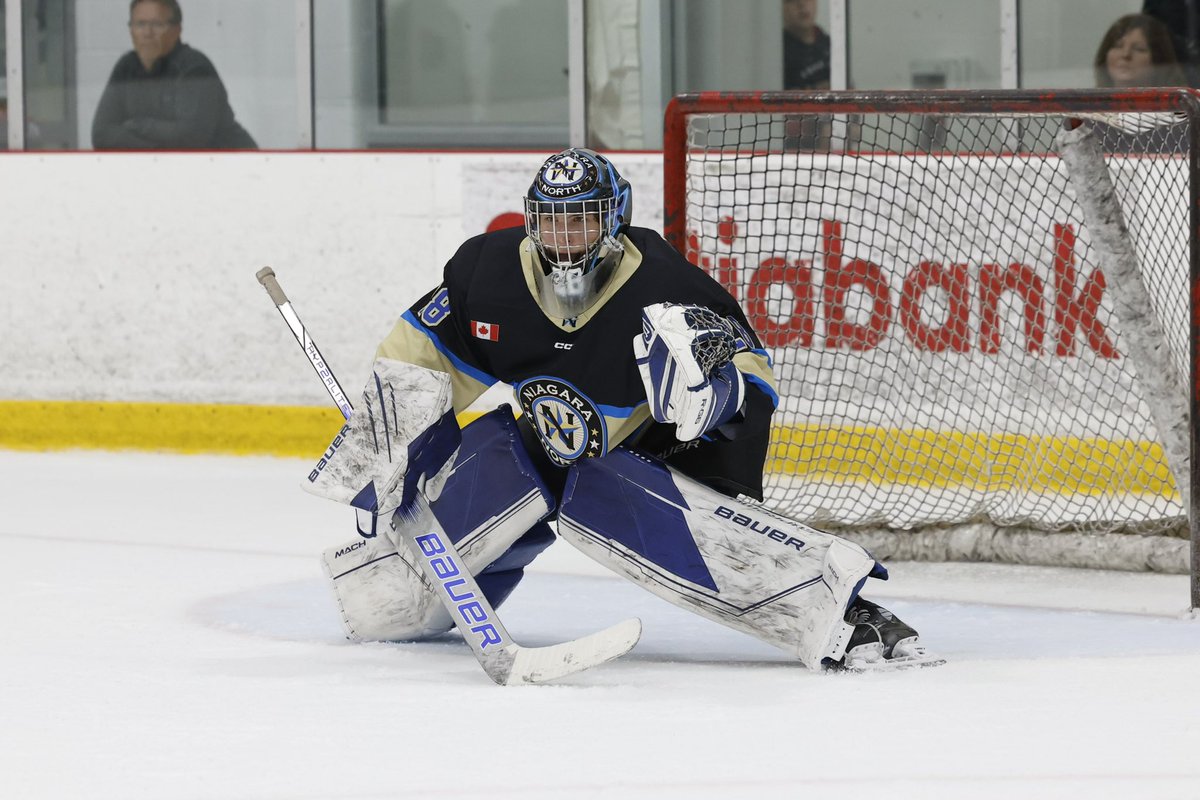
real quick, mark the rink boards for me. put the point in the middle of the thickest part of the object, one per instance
(867, 277)
(147, 331)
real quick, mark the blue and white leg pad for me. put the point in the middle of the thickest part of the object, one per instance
(730, 561)
(492, 506)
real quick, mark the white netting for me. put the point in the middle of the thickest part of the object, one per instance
(944, 339)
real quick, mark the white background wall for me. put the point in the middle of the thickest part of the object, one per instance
(131, 277)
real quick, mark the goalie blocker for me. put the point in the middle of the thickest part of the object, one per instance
(403, 442)
(729, 561)
(493, 508)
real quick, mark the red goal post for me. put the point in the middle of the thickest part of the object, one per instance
(981, 306)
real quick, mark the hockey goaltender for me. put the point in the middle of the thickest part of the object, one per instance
(645, 404)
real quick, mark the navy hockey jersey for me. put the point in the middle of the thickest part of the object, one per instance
(575, 379)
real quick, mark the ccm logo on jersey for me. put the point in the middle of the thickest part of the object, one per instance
(448, 572)
(333, 447)
(759, 527)
(563, 345)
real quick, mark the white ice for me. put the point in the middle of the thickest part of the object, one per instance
(167, 634)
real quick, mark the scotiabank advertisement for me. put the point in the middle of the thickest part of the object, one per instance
(947, 322)
(934, 322)
(973, 278)
(914, 307)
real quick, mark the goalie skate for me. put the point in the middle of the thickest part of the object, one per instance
(881, 641)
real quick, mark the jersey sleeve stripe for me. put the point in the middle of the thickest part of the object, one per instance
(619, 412)
(460, 365)
(766, 387)
(755, 366)
(758, 351)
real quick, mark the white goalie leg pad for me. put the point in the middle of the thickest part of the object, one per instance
(493, 497)
(381, 595)
(732, 562)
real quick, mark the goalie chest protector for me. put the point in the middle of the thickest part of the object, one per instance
(575, 378)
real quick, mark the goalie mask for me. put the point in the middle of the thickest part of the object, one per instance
(575, 213)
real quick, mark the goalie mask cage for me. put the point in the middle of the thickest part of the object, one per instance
(979, 309)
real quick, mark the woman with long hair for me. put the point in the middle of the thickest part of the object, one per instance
(1137, 51)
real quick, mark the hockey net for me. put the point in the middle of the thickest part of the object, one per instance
(977, 357)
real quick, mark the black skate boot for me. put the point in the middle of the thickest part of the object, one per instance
(881, 641)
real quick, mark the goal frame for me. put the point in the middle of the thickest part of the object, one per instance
(949, 102)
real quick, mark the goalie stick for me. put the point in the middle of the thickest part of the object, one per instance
(506, 662)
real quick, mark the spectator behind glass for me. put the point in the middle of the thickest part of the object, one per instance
(805, 47)
(164, 94)
(1182, 19)
(1137, 51)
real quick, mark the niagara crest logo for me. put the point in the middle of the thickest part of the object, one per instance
(567, 176)
(567, 422)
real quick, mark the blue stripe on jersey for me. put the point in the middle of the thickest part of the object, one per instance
(618, 411)
(758, 351)
(460, 365)
(766, 387)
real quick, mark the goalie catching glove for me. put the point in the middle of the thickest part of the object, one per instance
(685, 357)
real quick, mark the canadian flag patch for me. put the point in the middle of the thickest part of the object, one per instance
(485, 330)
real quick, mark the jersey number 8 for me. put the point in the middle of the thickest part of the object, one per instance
(437, 309)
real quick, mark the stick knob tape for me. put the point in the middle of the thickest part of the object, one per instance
(266, 276)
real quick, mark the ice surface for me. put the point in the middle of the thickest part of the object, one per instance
(167, 634)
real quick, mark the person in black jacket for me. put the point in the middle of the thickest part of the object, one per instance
(805, 47)
(806, 62)
(164, 94)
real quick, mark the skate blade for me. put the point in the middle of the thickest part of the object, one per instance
(894, 664)
(908, 654)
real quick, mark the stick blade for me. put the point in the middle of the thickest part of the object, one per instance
(543, 664)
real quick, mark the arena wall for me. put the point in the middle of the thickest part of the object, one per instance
(131, 314)
(132, 317)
